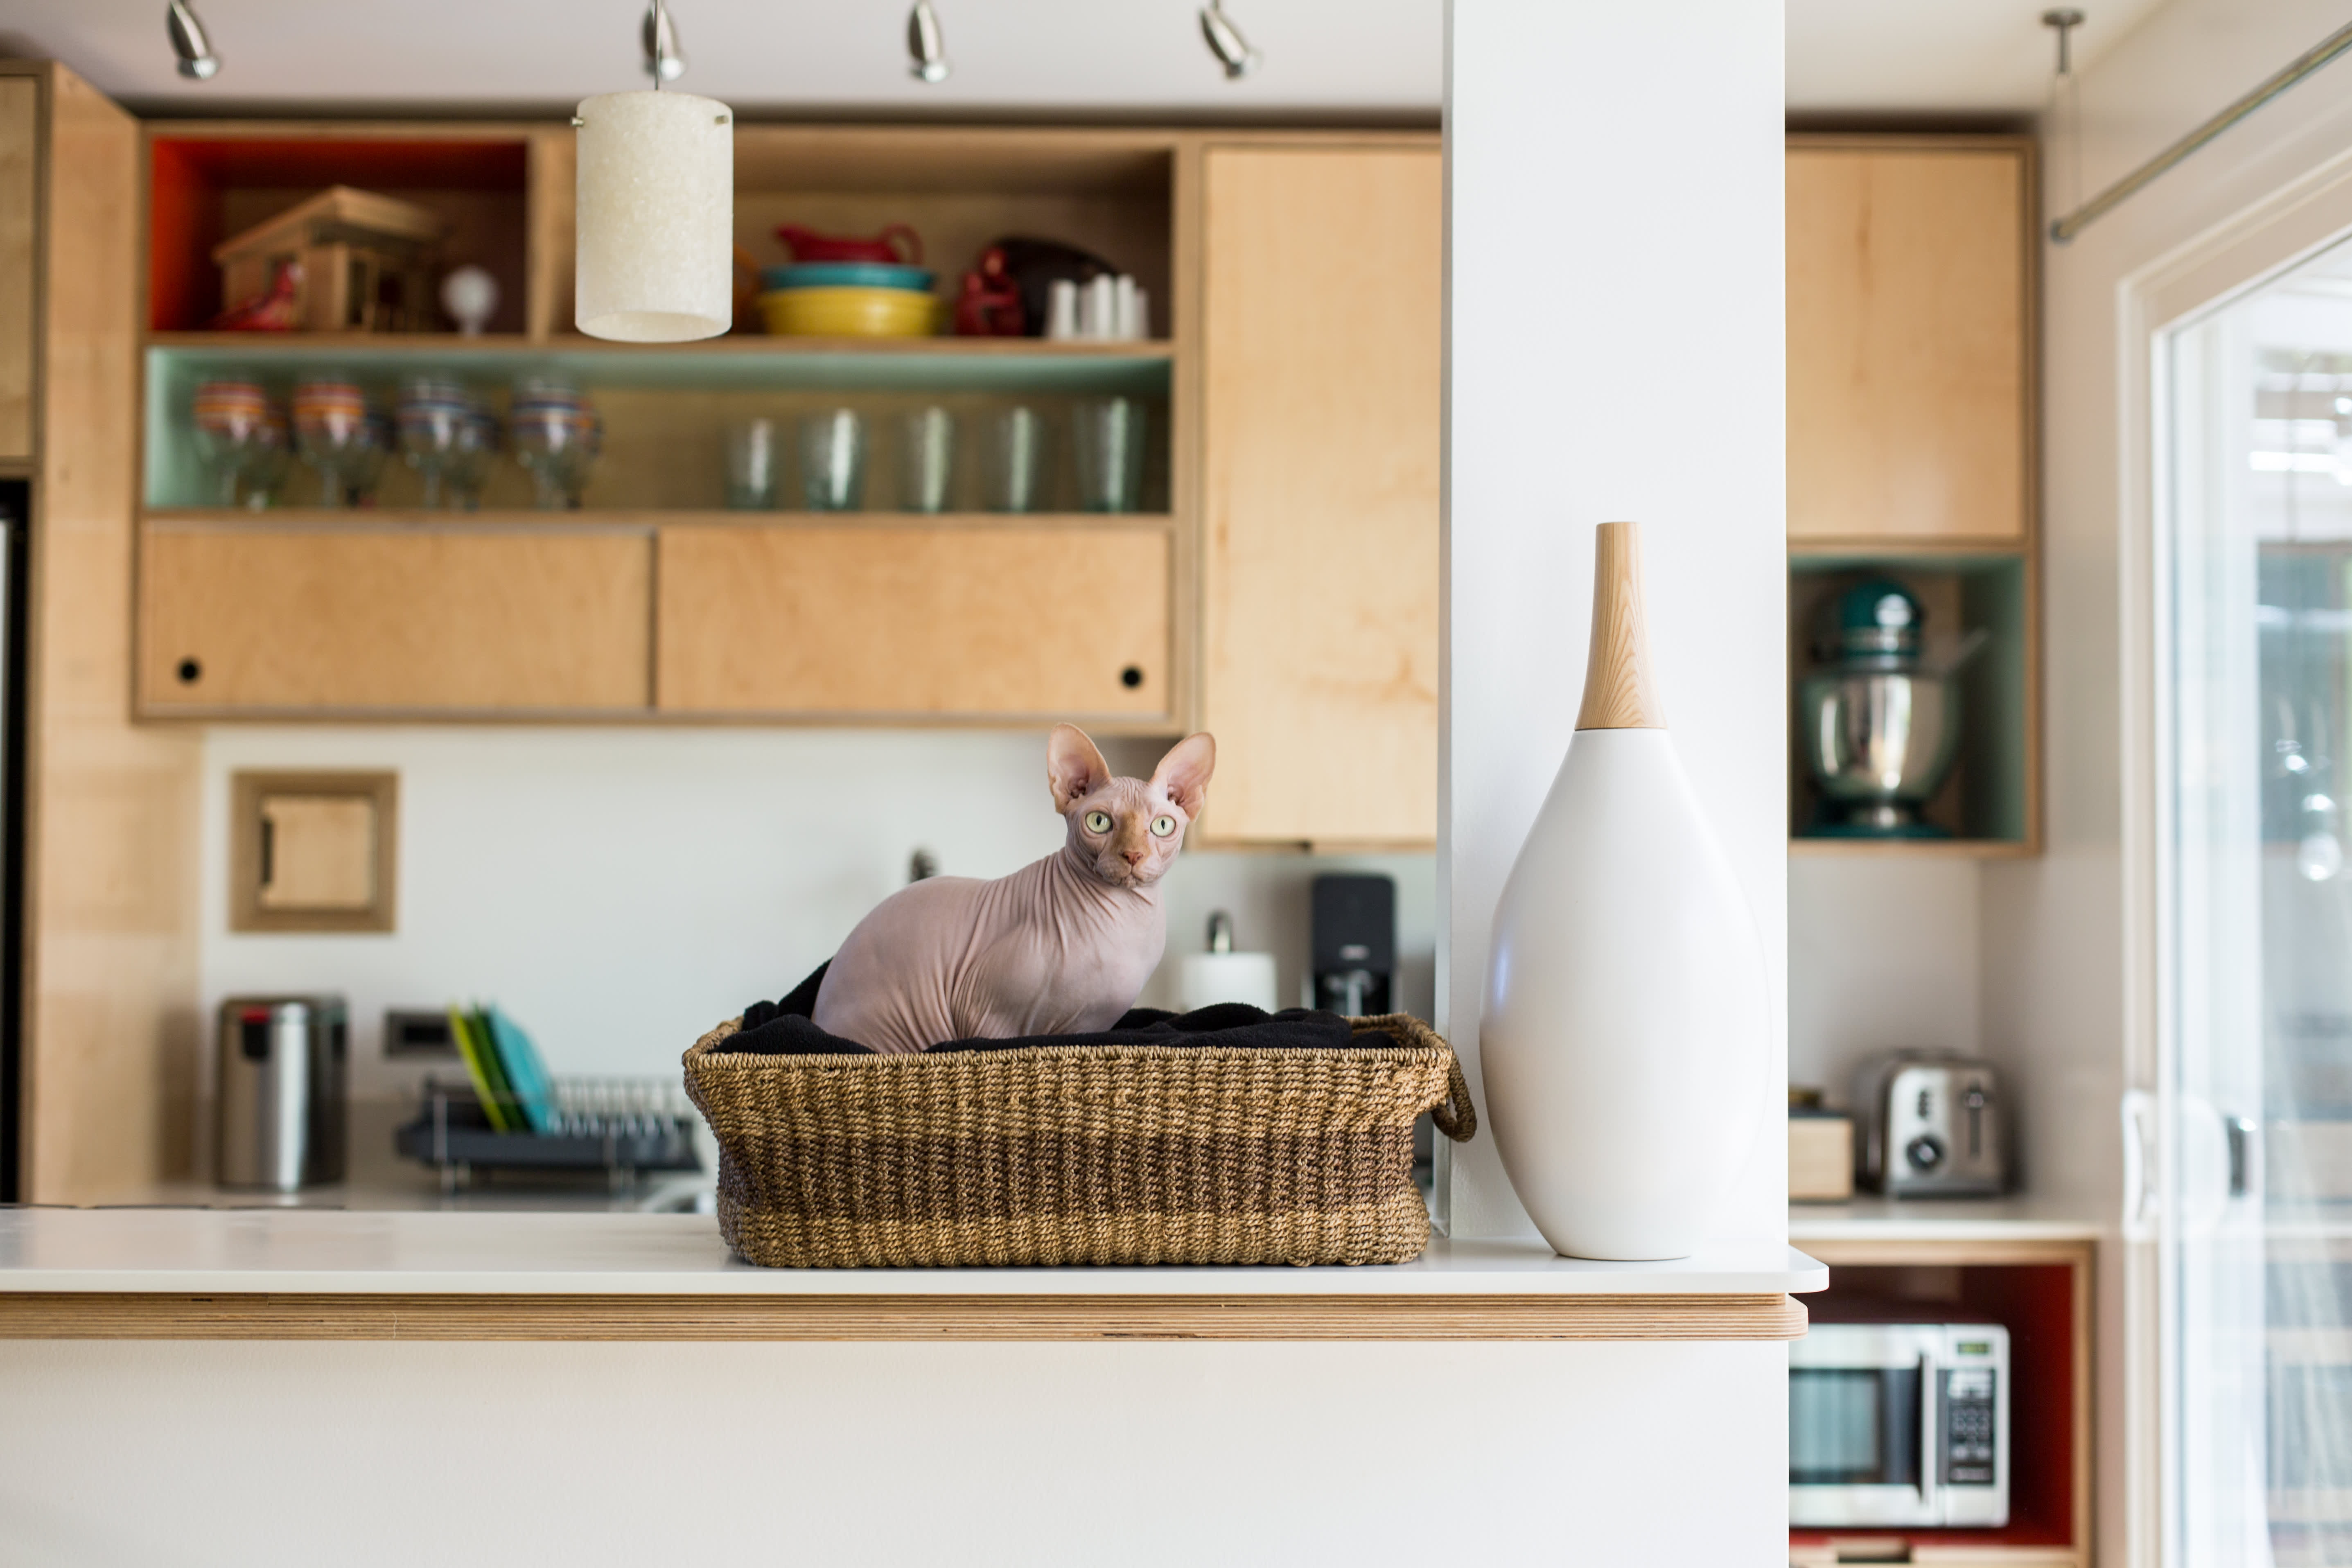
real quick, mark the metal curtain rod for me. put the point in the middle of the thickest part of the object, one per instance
(2123, 190)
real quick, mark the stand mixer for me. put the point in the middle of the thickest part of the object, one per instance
(1877, 724)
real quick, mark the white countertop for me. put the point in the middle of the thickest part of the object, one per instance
(316, 1251)
(1940, 1219)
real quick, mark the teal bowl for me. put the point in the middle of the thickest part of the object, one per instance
(846, 275)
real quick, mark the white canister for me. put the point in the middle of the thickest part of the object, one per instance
(1210, 978)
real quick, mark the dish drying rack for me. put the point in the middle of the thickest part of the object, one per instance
(623, 1126)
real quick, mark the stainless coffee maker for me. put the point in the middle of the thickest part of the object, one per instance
(1877, 723)
(280, 1121)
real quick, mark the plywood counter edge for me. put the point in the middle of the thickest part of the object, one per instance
(257, 1315)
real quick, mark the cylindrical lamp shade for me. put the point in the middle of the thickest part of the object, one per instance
(657, 217)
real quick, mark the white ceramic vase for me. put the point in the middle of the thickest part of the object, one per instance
(1624, 1035)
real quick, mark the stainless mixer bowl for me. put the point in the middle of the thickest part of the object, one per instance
(1879, 744)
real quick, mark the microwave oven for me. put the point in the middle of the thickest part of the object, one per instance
(1899, 1423)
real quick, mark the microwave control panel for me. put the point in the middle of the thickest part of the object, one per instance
(1971, 1427)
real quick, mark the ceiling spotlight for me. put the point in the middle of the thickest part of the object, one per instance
(197, 61)
(660, 37)
(925, 47)
(1225, 42)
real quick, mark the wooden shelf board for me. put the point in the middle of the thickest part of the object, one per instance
(300, 344)
(1930, 849)
(637, 518)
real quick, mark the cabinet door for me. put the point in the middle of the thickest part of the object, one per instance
(331, 618)
(1321, 552)
(19, 154)
(1907, 369)
(866, 621)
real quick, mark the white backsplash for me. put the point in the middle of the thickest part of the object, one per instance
(620, 891)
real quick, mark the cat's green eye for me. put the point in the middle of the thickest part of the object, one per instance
(1162, 826)
(1097, 822)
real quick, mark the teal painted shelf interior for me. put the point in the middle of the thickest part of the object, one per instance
(888, 375)
(1988, 799)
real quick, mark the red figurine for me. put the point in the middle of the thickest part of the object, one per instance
(989, 305)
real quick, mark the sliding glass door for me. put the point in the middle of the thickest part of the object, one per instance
(2252, 1116)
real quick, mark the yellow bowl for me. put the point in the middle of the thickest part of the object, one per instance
(849, 313)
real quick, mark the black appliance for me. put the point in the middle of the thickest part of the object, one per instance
(1355, 944)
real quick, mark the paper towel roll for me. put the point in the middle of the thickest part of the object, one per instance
(1214, 977)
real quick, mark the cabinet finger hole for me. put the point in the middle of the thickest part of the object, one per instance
(1131, 677)
(190, 671)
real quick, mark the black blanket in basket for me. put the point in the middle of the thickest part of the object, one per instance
(786, 1028)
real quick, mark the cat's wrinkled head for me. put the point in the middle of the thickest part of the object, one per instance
(1127, 830)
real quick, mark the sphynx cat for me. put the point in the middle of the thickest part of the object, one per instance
(1062, 946)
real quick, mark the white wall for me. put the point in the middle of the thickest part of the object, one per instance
(1090, 1455)
(2058, 988)
(1629, 157)
(620, 891)
(1882, 955)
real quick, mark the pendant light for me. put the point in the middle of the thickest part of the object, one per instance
(655, 239)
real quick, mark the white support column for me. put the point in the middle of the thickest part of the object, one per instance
(1614, 317)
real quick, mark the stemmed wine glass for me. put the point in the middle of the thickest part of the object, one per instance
(231, 415)
(332, 433)
(432, 417)
(556, 437)
(474, 447)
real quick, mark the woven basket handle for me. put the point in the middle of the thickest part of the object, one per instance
(1454, 1116)
(1457, 1118)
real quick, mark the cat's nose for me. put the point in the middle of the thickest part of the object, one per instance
(1135, 857)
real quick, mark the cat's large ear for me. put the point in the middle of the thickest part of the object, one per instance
(1074, 766)
(1184, 771)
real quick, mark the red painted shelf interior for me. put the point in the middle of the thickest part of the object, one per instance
(202, 191)
(2035, 1302)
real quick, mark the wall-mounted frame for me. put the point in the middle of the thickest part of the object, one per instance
(314, 852)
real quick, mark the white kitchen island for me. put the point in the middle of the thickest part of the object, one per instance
(613, 1388)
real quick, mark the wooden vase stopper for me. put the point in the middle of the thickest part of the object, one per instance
(1618, 690)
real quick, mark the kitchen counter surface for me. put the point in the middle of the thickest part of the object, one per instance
(264, 1274)
(316, 1251)
(1940, 1219)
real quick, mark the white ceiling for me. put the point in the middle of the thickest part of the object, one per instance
(1130, 57)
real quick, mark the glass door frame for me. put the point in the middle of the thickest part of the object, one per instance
(2264, 242)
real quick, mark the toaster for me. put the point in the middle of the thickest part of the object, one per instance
(1931, 1126)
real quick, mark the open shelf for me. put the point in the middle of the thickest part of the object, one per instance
(665, 410)
(205, 187)
(2039, 1291)
(1987, 807)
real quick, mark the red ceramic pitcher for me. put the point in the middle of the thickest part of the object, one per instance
(807, 245)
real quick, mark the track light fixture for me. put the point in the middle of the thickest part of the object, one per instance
(1225, 42)
(197, 61)
(927, 48)
(660, 37)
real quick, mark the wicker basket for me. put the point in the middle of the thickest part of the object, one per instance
(1059, 1154)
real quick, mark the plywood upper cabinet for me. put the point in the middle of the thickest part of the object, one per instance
(1322, 294)
(239, 619)
(864, 620)
(1909, 315)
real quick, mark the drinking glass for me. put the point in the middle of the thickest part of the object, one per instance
(270, 459)
(467, 465)
(367, 463)
(332, 433)
(230, 416)
(1016, 460)
(1110, 431)
(832, 460)
(927, 461)
(755, 465)
(431, 414)
(550, 424)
